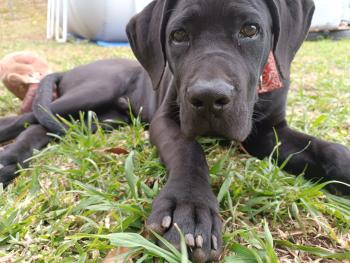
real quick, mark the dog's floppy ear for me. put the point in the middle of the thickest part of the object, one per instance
(146, 33)
(291, 23)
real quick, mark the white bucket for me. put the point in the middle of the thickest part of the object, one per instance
(329, 13)
(102, 20)
(346, 10)
(140, 4)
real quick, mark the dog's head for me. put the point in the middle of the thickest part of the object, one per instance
(217, 50)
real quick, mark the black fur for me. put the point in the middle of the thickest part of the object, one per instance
(206, 85)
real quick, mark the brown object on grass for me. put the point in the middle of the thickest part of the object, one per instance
(21, 72)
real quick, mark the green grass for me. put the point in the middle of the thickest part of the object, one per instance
(78, 201)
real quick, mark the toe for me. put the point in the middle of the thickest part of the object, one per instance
(202, 235)
(184, 218)
(216, 240)
(199, 256)
(160, 218)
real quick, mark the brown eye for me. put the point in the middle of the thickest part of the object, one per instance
(180, 36)
(249, 30)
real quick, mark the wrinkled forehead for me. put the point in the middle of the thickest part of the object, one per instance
(220, 10)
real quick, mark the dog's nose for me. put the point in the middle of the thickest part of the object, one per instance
(210, 95)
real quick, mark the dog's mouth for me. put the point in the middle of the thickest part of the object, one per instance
(193, 133)
(234, 124)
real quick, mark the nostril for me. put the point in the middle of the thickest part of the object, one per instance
(197, 103)
(222, 102)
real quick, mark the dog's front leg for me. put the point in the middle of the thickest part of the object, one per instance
(187, 199)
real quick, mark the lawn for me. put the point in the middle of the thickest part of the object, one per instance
(78, 201)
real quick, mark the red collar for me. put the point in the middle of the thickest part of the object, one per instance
(270, 79)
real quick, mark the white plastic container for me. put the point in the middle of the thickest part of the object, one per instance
(102, 20)
(140, 4)
(346, 10)
(329, 13)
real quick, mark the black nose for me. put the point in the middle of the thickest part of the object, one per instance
(210, 95)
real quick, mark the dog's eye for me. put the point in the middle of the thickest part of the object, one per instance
(179, 37)
(249, 30)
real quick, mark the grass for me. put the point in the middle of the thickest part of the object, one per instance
(88, 193)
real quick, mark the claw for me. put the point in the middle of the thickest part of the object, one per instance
(189, 240)
(214, 242)
(166, 222)
(199, 241)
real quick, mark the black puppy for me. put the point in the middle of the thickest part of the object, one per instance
(204, 59)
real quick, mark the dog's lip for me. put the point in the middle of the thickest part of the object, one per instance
(212, 133)
(193, 136)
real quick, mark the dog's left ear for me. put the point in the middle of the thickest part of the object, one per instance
(291, 23)
(146, 33)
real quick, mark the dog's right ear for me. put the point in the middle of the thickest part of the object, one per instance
(291, 23)
(146, 33)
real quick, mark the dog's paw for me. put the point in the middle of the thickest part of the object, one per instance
(7, 173)
(336, 163)
(8, 167)
(196, 216)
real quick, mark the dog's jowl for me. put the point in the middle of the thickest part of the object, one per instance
(205, 68)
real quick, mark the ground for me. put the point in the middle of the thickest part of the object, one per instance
(87, 194)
